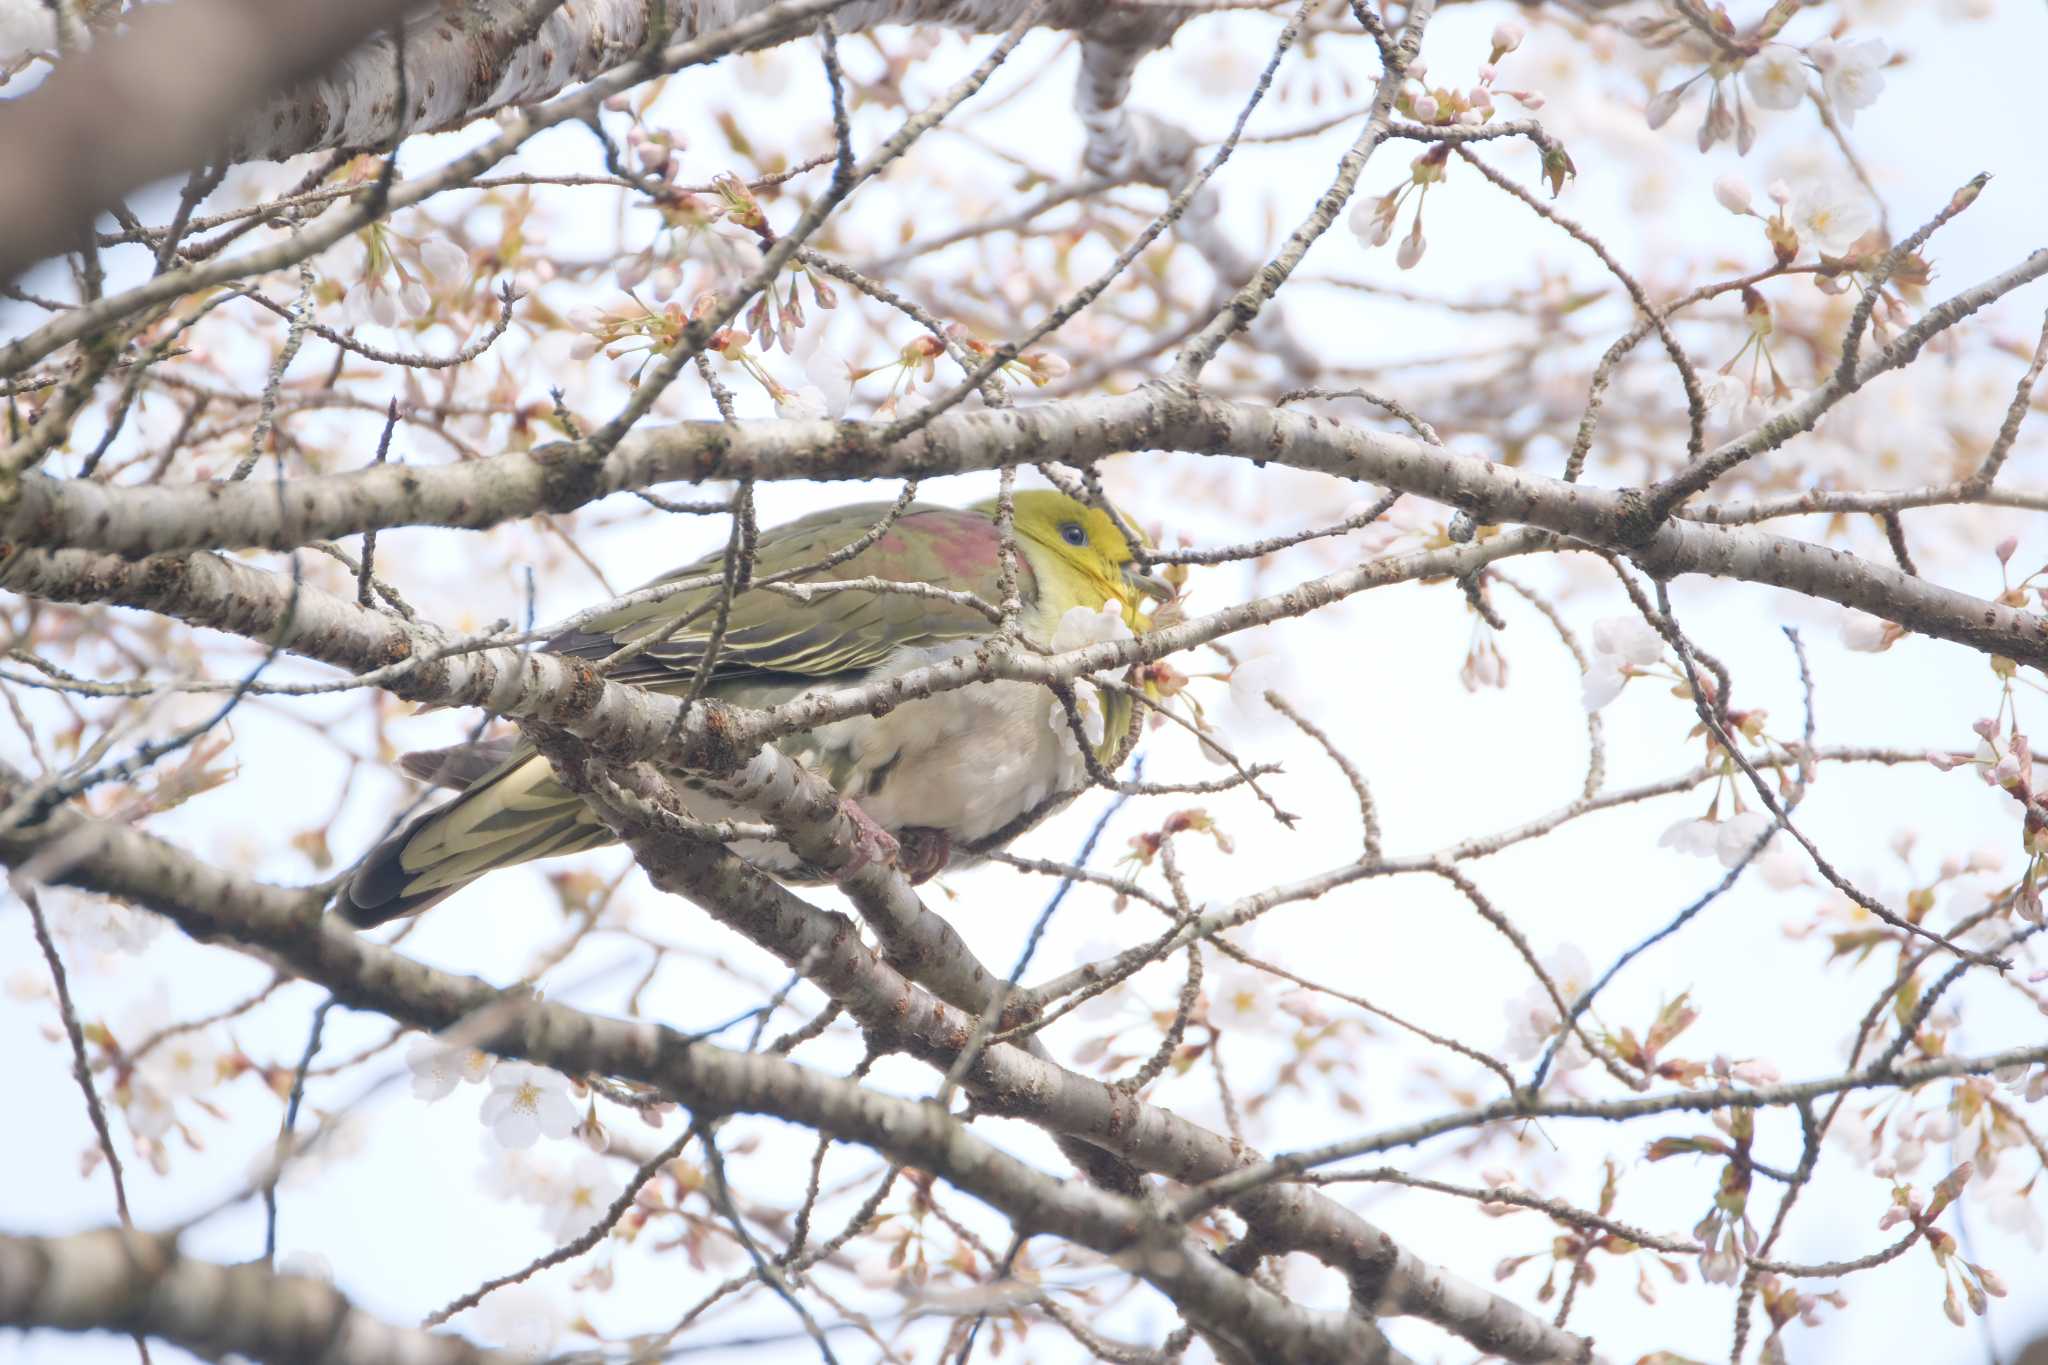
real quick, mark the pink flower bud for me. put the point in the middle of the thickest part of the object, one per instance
(1411, 247)
(1663, 105)
(1732, 194)
(1045, 366)
(1780, 192)
(1507, 36)
(1755, 1072)
(1426, 109)
(2006, 548)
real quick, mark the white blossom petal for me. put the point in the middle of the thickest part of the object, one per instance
(1832, 215)
(1738, 834)
(1630, 639)
(446, 262)
(1852, 74)
(1776, 77)
(1603, 682)
(528, 1102)
(806, 404)
(1692, 836)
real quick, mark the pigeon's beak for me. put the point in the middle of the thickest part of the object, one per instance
(1148, 584)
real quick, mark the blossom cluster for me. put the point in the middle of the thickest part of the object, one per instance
(1775, 74)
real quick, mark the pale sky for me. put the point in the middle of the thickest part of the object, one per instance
(404, 1221)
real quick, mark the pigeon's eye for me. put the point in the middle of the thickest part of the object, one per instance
(1071, 532)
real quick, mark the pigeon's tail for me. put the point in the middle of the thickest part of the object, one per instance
(512, 809)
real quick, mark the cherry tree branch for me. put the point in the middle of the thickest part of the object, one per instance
(764, 24)
(285, 77)
(107, 121)
(137, 1282)
(148, 520)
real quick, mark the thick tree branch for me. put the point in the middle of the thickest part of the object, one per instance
(283, 77)
(108, 121)
(125, 1281)
(139, 521)
(765, 23)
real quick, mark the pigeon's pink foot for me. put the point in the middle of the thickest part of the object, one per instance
(924, 853)
(871, 843)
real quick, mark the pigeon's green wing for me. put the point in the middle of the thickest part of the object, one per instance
(845, 632)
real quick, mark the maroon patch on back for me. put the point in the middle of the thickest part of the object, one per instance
(964, 544)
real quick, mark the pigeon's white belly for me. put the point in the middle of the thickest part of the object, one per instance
(968, 761)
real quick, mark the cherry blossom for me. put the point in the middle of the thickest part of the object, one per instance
(1410, 250)
(806, 404)
(830, 377)
(1080, 627)
(1254, 676)
(525, 1319)
(1776, 77)
(98, 924)
(1692, 835)
(147, 1109)
(438, 1068)
(445, 263)
(1622, 645)
(1783, 864)
(1832, 215)
(1754, 1071)
(1532, 1016)
(1738, 834)
(1485, 665)
(1867, 634)
(1732, 193)
(1852, 74)
(579, 1199)
(528, 1102)
(179, 1066)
